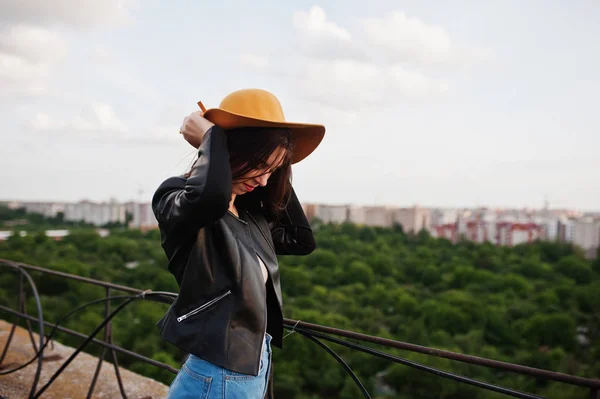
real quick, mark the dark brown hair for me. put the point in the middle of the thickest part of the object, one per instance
(249, 150)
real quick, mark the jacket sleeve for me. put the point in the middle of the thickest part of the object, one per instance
(291, 232)
(203, 197)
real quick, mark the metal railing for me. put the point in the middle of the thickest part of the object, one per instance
(314, 332)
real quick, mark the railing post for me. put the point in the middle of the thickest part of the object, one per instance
(23, 308)
(108, 340)
(118, 374)
(14, 326)
(114, 354)
(103, 354)
(594, 393)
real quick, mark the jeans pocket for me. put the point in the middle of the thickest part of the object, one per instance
(189, 384)
(234, 375)
(239, 376)
(244, 386)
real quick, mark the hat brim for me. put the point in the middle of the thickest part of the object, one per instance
(307, 137)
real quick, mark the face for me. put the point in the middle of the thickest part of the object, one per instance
(258, 177)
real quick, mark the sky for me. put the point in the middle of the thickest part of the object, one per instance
(450, 104)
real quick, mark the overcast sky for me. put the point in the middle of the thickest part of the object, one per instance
(460, 103)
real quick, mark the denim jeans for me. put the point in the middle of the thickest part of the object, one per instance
(199, 379)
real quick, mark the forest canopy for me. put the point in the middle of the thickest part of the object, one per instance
(536, 305)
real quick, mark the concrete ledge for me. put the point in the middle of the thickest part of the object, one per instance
(75, 380)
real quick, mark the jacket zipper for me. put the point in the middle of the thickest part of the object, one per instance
(201, 308)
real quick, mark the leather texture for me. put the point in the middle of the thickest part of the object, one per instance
(224, 308)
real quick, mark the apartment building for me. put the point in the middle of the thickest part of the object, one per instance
(47, 209)
(412, 219)
(327, 213)
(142, 216)
(586, 234)
(94, 213)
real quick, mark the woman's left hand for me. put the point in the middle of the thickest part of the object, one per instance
(194, 128)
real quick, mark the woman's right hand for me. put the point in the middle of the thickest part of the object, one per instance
(194, 127)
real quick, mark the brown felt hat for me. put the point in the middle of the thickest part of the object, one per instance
(260, 108)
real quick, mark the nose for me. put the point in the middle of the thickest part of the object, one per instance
(262, 179)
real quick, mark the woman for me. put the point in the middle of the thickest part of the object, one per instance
(222, 226)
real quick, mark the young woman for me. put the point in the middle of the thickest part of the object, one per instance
(222, 226)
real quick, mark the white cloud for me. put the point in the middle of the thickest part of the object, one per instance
(393, 38)
(14, 69)
(320, 38)
(334, 70)
(253, 60)
(98, 118)
(408, 39)
(79, 13)
(315, 23)
(27, 56)
(348, 84)
(31, 47)
(379, 63)
(34, 44)
(98, 122)
(107, 119)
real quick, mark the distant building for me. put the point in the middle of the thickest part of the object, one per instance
(510, 234)
(498, 227)
(480, 229)
(94, 213)
(412, 219)
(448, 231)
(142, 216)
(357, 215)
(57, 235)
(47, 209)
(586, 234)
(551, 227)
(565, 229)
(439, 217)
(379, 216)
(327, 213)
(4, 235)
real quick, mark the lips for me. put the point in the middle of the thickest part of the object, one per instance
(248, 188)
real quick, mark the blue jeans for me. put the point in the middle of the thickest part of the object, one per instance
(199, 379)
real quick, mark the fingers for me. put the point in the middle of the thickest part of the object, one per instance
(195, 125)
(188, 121)
(183, 125)
(197, 117)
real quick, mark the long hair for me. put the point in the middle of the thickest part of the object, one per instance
(249, 150)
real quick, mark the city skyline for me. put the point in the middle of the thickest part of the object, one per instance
(507, 227)
(424, 103)
(145, 200)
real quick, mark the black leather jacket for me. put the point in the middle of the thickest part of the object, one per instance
(224, 306)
